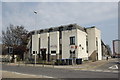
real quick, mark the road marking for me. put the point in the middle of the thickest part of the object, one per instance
(99, 70)
(115, 71)
(106, 71)
(42, 76)
(114, 67)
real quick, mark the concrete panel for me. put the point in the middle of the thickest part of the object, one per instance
(35, 43)
(81, 43)
(66, 42)
(44, 41)
(54, 42)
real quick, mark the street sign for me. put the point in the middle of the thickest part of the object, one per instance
(10, 49)
(72, 48)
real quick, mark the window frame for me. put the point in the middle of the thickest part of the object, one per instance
(72, 40)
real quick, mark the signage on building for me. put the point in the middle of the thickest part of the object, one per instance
(74, 46)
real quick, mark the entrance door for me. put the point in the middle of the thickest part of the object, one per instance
(43, 52)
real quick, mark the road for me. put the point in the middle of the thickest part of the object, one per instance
(111, 64)
(58, 73)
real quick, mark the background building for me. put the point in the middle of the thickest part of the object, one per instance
(116, 48)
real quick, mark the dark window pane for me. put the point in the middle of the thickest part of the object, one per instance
(33, 52)
(53, 51)
(72, 40)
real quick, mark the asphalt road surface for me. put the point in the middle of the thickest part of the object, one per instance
(58, 73)
(111, 64)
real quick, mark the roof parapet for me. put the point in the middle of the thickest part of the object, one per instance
(60, 28)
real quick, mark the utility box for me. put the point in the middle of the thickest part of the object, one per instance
(63, 61)
(79, 61)
(70, 61)
(67, 61)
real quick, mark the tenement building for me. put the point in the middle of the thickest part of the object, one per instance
(63, 42)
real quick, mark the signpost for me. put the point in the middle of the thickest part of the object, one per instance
(73, 50)
(10, 51)
(35, 54)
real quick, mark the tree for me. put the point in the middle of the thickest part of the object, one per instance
(16, 37)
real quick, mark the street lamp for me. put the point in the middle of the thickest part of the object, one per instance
(35, 12)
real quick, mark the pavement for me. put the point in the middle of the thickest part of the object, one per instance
(86, 66)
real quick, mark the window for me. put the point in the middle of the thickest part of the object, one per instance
(72, 40)
(33, 52)
(53, 52)
(60, 52)
(97, 43)
(87, 44)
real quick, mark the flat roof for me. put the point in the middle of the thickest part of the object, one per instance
(60, 28)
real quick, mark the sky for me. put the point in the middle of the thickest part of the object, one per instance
(103, 15)
(0, 20)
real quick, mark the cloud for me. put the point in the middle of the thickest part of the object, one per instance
(0, 19)
(60, 0)
(60, 13)
(84, 13)
(102, 14)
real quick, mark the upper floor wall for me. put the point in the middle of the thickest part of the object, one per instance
(94, 41)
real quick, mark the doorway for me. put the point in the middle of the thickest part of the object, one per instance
(43, 54)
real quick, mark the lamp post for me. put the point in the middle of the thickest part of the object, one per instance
(35, 57)
(35, 12)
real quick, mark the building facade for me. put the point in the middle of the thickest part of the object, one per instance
(64, 42)
(116, 48)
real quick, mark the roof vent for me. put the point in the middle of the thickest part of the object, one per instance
(93, 27)
(70, 27)
(41, 30)
(60, 28)
(51, 29)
